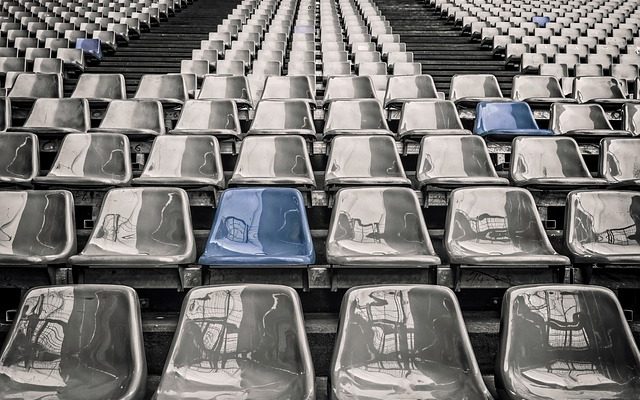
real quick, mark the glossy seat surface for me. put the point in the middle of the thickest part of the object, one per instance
(565, 342)
(19, 157)
(619, 163)
(598, 89)
(496, 226)
(133, 118)
(601, 226)
(355, 117)
(378, 227)
(419, 118)
(542, 90)
(283, 117)
(348, 87)
(364, 160)
(243, 341)
(471, 89)
(549, 161)
(258, 227)
(73, 342)
(169, 89)
(183, 161)
(38, 227)
(214, 117)
(33, 86)
(234, 88)
(404, 342)
(57, 116)
(90, 159)
(631, 118)
(289, 87)
(273, 160)
(455, 160)
(141, 226)
(587, 120)
(101, 88)
(409, 87)
(506, 119)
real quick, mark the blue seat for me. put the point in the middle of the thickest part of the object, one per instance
(506, 119)
(260, 226)
(541, 21)
(91, 48)
(565, 342)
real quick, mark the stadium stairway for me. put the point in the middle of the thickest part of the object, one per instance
(440, 46)
(161, 50)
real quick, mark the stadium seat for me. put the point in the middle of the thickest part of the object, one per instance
(73, 59)
(549, 162)
(454, 160)
(401, 89)
(183, 161)
(289, 87)
(391, 340)
(90, 160)
(420, 118)
(38, 227)
(602, 90)
(100, 89)
(582, 120)
(241, 361)
(364, 160)
(261, 226)
(496, 226)
(29, 87)
(619, 163)
(5, 113)
(209, 117)
(348, 88)
(538, 90)
(283, 117)
(57, 345)
(563, 342)
(141, 226)
(506, 119)
(57, 117)
(468, 90)
(92, 48)
(234, 88)
(169, 89)
(378, 227)
(355, 117)
(134, 118)
(19, 158)
(281, 160)
(631, 118)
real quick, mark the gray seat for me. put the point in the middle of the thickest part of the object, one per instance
(283, 117)
(289, 87)
(603, 90)
(19, 158)
(401, 89)
(169, 89)
(31, 86)
(586, 120)
(355, 117)
(209, 117)
(619, 161)
(348, 88)
(100, 89)
(135, 118)
(468, 90)
(420, 118)
(235, 88)
(57, 117)
(538, 90)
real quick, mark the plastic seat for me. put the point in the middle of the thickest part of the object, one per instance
(378, 227)
(364, 160)
(454, 160)
(91, 48)
(262, 226)
(283, 117)
(549, 162)
(209, 117)
(73, 59)
(619, 163)
(468, 90)
(273, 160)
(289, 87)
(496, 226)
(390, 345)
(505, 120)
(183, 161)
(419, 118)
(355, 117)
(5, 113)
(242, 363)
(538, 90)
(71, 326)
(38, 227)
(565, 342)
(406, 68)
(57, 117)
(586, 120)
(235, 88)
(169, 89)
(141, 226)
(133, 118)
(29, 87)
(19, 158)
(100, 89)
(602, 90)
(90, 160)
(401, 89)
(348, 88)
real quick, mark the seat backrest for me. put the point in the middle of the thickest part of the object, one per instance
(546, 157)
(64, 113)
(402, 88)
(19, 157)
(453, 156)
(234, 88)
(288, 87)
(101, 86)
(162, 87)
(355, 114)
(429, 115)
(282, 114)
(538, 87)
(503, 116)
(478, 86)
(349, 87)
(240, 317)
(568, 340)
(135, 114)
(37, 86)
(381, 328)
(93, 155)
(618, 159)
(209, 115)
(569, 117)
(38, 225)
(587, 88)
